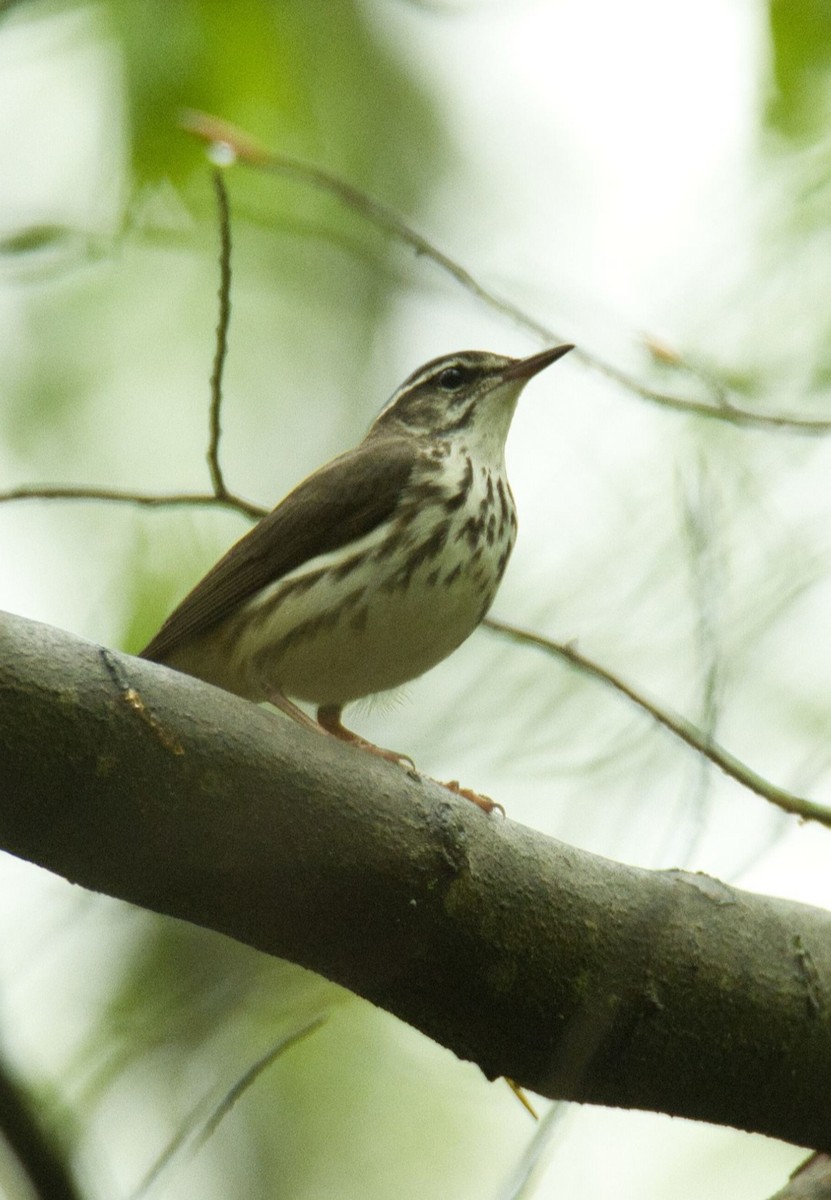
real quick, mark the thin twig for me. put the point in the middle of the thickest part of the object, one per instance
(221, 333)
(141, 499)
(203, 1121)
(696, 503)
(730, 413)
(220, 495)
(521, 1186)
(252, 1075)
(221, 133)
(799, 806)
(246, 150)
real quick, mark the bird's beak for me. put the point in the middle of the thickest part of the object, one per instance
(526, 368)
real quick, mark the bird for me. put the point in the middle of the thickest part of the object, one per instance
(375, 567)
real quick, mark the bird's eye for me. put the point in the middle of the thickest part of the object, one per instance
(452, 378)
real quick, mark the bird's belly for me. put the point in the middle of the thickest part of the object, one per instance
(335, 641)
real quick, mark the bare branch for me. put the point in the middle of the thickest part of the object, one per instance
(221, 333)
(246, 150)
(206, 1117)
(141, 499)
(253, 1073)
(798, 806)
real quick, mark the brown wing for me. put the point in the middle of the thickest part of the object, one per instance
(336, 505)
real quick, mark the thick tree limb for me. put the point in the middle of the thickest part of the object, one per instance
(811, 1181)
(578, 977)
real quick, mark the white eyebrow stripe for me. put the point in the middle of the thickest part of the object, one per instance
(470, 360)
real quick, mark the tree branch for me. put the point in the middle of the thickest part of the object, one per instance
(684, 730)
(811, 1181)
(139, 499)
(239, 145)
(578, 977)
(224, 296)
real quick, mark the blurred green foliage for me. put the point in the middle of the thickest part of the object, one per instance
(316, 81)
(105, 380)
(116, 283)
(308, 79)
(800, 105)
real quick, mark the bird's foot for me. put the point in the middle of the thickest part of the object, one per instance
(484, 802)
(328, 718)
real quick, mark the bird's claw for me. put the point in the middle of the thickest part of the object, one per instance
(393, 756)
(484, 802)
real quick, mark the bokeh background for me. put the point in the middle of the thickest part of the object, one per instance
(652, 182)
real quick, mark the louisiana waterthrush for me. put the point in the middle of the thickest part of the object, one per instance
(377, 566)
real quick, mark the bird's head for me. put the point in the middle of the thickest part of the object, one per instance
(470, 395)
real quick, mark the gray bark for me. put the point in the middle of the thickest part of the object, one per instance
(578, 977)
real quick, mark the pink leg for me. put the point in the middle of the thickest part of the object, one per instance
(291, 710)
(328, 717)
